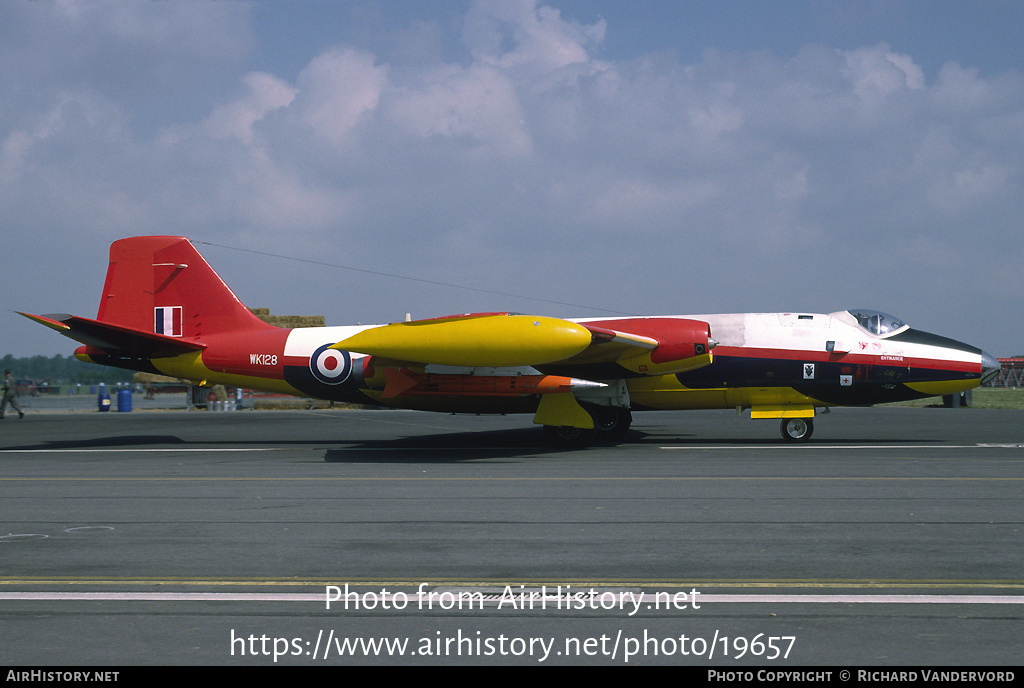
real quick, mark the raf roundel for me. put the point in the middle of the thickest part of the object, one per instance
(330, 366)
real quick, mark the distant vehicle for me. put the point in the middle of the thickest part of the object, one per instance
(25, 387)
(164, 310)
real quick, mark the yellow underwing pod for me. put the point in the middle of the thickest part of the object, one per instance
(494, 339)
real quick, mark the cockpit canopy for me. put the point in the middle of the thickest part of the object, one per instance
(877, 323)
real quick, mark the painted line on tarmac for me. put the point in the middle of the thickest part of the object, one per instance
(852, 446)
(676, 447)
(145, 450)
(527, 583)
(433, 598)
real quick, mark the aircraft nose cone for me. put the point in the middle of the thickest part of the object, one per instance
(990, 367)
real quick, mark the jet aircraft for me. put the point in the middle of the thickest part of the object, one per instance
(165, 310)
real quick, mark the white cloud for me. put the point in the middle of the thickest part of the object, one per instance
(961, 189)
(337, 90)
(914, 74)
(237, 118)
(513, 34)
(876, 74)
(523, 152)
(479, 104)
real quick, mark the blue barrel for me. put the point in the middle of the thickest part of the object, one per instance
(104, 401)
(124, 400)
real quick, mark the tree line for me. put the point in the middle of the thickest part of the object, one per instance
(63, 370)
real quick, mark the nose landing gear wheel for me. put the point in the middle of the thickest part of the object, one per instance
(797, 429)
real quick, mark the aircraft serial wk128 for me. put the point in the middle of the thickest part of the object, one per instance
(164, 310)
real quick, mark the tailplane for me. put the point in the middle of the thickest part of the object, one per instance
(112, 340)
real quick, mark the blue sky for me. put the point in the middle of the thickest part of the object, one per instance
(651, 157)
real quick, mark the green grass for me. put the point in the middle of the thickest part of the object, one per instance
(981, 398)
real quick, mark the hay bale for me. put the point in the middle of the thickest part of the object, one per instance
(291, 321)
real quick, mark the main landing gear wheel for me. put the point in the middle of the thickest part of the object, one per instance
(610, 425)
(611, 422)
(797, 429)
(567, 437)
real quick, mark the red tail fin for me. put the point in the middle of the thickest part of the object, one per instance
(161, 284)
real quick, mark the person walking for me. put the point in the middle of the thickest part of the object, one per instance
(9, 396)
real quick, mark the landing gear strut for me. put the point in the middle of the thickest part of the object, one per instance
(797, 429)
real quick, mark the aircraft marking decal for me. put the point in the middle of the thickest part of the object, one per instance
(330, 366)
(167, 320)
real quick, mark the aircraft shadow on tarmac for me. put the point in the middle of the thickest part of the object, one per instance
(454, 447)
(703, 441)
(512, 443)
(427, 448)
(112, 442)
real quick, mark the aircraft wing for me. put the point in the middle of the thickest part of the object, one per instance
(114, 339)
(503, 340)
